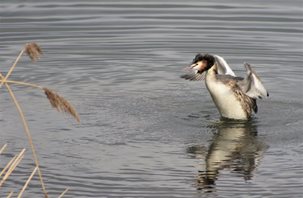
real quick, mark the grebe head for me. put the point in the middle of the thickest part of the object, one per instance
(203, 62)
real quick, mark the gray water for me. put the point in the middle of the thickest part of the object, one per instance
(145, 132)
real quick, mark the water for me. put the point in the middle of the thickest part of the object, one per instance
(145, 132)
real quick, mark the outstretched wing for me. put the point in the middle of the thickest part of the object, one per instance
(192, 74)
(223, 67)
(252, 85)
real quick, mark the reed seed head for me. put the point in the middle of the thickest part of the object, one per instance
(60, 103)
(33, 51)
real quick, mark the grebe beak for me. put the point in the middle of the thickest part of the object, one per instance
(198, 68)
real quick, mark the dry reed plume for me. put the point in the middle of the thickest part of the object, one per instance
(33, 51)
(56, 101)
(60, 103)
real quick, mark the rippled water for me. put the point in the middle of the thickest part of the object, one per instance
(144, 131)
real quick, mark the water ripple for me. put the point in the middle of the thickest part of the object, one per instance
(144, 132)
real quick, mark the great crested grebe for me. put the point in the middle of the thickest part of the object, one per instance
(235, 97)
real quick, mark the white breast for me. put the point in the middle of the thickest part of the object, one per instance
(224, 98)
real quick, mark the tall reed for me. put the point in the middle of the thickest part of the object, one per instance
(34, 51)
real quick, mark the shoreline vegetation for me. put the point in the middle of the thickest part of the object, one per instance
(34, 52)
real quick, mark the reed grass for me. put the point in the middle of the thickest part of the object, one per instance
(27, 182)
(10, 194)
(12, 68)
(12, 167)
(7, 165)
(29, 136)
(58, 102)
(3, 148)
(63, 193)
(33, 51)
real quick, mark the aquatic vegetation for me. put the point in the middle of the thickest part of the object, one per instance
(58, 102)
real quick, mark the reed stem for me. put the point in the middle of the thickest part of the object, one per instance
(12, 167)
(12, 67)
(22, 83)
(28, 134)
(63, 193)
(27, 182)
(3, 148)
(8, 165)
(10, 194)
(58, 102)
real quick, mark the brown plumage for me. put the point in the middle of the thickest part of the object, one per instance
(60, 103)
(248, 104)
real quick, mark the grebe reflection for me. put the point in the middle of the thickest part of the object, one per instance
(235, 147)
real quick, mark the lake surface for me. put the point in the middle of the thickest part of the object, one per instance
(145, 132)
